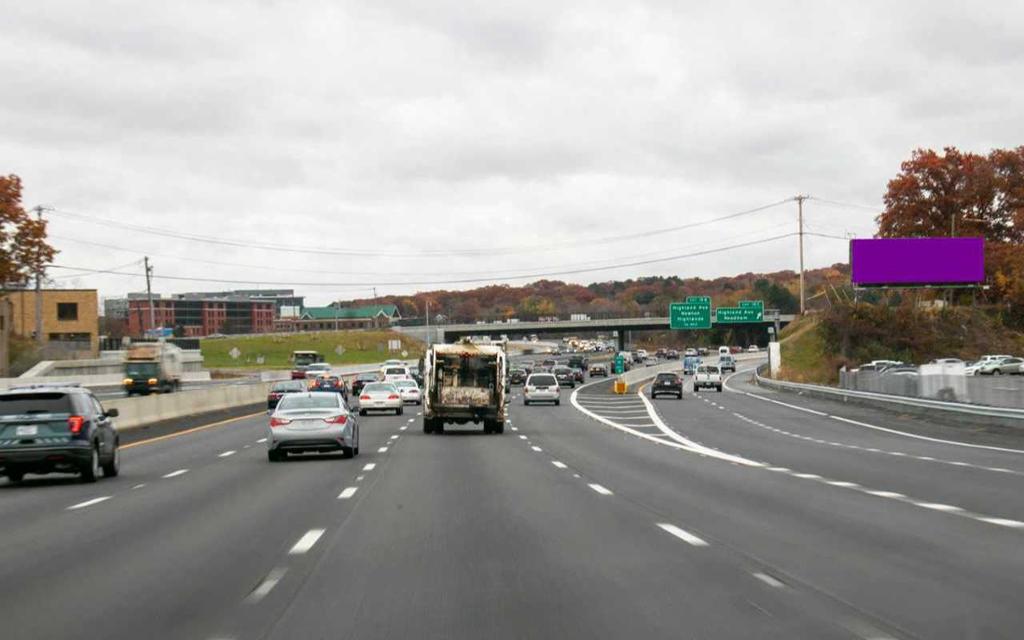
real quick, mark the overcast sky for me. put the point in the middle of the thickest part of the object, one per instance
(529, 131)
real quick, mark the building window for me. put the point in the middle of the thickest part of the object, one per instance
(67, 311)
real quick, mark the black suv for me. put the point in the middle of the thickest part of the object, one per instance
(361, 381)
(565, 376)
(280, 388)
(667, 383)
(56, 429)
(579, 362)
(517, 376)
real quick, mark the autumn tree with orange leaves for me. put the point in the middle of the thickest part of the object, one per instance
(23, 245)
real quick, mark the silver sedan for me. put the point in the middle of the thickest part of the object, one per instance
(316, 421)
(380, 396)
(410, 391)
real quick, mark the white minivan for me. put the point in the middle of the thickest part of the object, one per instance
(723, 351)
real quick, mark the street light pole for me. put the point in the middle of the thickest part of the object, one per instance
(800, 232)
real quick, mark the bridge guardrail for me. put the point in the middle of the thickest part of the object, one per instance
(962, 411)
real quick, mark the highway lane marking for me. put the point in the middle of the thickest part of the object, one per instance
(598, 488)
(885, 494)
(1004, 522)
(192, 430)
(395, 437)
(522, 437)
(537, 449)
(261, 440)
(227, 453)
(382, 450)
(938, 507)
(402, 428)
(412, 420)
(175, 474)
(266, 585)
(769, 580)
(139, 486)
(515, 429)
(306, 542)
(89, 503)
(559, 464)
(359, 478)
(347, 493)
(370, 466)
(683, 534)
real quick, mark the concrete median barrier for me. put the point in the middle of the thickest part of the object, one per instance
(140, 411)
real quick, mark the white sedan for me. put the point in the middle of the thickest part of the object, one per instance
(410, 391)
(380, 396)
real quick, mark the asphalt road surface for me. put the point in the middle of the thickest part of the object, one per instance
(789, 524)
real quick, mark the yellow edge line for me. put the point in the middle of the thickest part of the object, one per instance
(192, 430)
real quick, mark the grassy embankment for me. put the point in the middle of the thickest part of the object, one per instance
(276, 349)
(815, 347)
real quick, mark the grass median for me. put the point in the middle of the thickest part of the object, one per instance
(273, 351)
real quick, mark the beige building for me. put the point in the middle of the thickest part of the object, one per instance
(70, 320)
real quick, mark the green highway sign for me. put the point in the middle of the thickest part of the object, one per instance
(620, 364)
(704, 300)
(759, 304)
(737, 315)
(690, 315)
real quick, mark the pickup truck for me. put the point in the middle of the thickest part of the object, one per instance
(708, 376)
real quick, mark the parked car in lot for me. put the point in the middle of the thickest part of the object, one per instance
(278, 390)
(708, 376)
(315, 421)
(57, 429)
(541, 387)
(1006, 366)
(380, 396)
(410, 391)
(727, 363)
(361, 381)
(517, 376)
(598, 371)
(667, 384)
(565, 376)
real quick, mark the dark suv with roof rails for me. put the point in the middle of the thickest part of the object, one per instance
(56, 429)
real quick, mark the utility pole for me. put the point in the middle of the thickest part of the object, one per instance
(149, 295)
(426, 313)
(800, 232)
(39, 289)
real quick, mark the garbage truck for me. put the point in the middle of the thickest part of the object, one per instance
(152, 367)
(464, 383)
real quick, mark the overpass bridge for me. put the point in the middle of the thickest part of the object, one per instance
(453, 332)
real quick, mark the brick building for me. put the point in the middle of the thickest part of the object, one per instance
(196, 317)
(70, 319)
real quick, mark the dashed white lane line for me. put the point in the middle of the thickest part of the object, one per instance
(382, 450)
(683, 534)
(261, 440)
(885, 494)
(359, 478)
(139, 486)
(598, 488)
(536, 448)
(515, 429)
(267, 585)
(402, 428)
(560, 465)
(395, 437)
(347, 493)
(175, 474)
(227, 453)
(522, 437)
(1004, 522)
(306, 542)
(411, 420)
(938, 507)
(88, 503)
(769, 580)
(370, 466)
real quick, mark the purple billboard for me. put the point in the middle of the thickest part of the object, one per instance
(917, 261)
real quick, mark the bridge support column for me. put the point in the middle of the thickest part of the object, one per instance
(622, 340)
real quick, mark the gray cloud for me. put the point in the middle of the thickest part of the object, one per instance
(402, 125)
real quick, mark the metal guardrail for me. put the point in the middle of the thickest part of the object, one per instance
(959, 409)
(947, 384)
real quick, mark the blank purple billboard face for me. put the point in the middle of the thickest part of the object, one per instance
(917, 261)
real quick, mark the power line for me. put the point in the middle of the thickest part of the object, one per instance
(439, 253)
(526, 276)
(845, 204)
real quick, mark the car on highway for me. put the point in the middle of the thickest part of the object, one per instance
(1006, 366)
(667, 383)
(57, 429)
(598, 371)
(313, 371)
(708, 376)
(565, 376)
(991, 357)
(315, 421)
(753, 349)
(330, 384)
(527, 366)
(947, 361)
(395, 373)
(691, 352)
(549, 362)
(410, 391)
(361, 380)
(660, 353)
(517, 376)
(541, 387)
(579, 375)
(702, 351)
(672, 354)
(579, 362)
(279, 389)
(724, 350)
(650, 361)
(380, 396)
(727, 363)
(690, 364)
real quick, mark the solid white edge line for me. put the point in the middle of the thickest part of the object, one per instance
(682, 534)
(306, 542)
(347, 493)
(89, 503)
